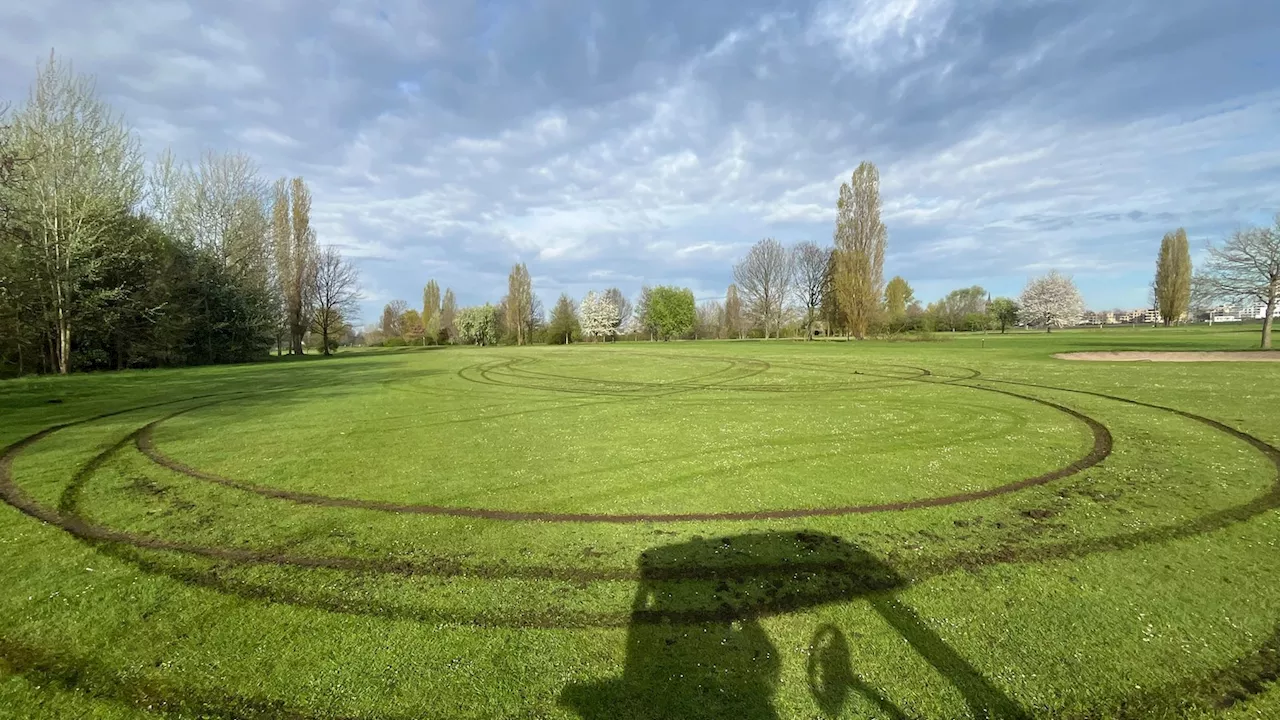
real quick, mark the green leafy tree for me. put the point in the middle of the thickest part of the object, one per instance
(962, 309)
(897, 296)
(411, 327)
(1004, 311)
(672, 311)
(1173, 277)
(83, 168)
(95, 273)
(830, 307)
(563, 327)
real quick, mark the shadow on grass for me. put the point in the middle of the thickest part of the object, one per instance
(696, 648)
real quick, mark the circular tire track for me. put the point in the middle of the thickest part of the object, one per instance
(491, 373)
(1247, 675)
(1101, 448)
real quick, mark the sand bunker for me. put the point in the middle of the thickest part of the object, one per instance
(1135, 355)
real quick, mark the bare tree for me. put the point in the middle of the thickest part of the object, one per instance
(709, 321)
(860, 241)
(810, 274)
(732, 312)
(219, 206)
(392, 324)
(621, 302)
(764, 278)
(1246, 267)
(1204, 295)
(642, 308)
(224, 210)
(337, 290)
(83, 169)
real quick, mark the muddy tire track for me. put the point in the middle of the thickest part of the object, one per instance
(1249, 674)
(1101, 448)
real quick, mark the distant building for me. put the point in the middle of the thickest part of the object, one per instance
(1224, 313)
(1258, 311)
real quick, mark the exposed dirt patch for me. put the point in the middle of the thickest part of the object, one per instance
(1207, 356)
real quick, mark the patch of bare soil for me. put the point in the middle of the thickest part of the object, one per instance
(1209, 356)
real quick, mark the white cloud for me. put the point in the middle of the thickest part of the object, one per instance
(257, 135)
(441, 140)
(876, 34)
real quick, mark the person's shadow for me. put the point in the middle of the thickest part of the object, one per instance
(695, 647)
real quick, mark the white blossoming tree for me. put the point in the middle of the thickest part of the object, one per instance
(599, 316)
(1052, 301)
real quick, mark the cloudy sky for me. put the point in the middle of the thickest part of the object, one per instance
(652, 141)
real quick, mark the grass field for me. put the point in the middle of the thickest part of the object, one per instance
(961, 528)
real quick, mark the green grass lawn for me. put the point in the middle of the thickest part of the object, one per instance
(960, 528)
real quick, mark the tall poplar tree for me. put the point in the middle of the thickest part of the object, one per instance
(295, 248)
(431, 309)
(449, 314)
(519, 304)
(1173, 276)
(732, 312)
(860, 240)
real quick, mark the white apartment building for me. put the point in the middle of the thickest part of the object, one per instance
(1258, 311)
(1144, 316)
(1224, 313)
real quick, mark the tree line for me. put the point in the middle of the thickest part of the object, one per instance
(807, 290)
(110, 262)
(802, 290)
(661, 312)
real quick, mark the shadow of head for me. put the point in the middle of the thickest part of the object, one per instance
(747, 576)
